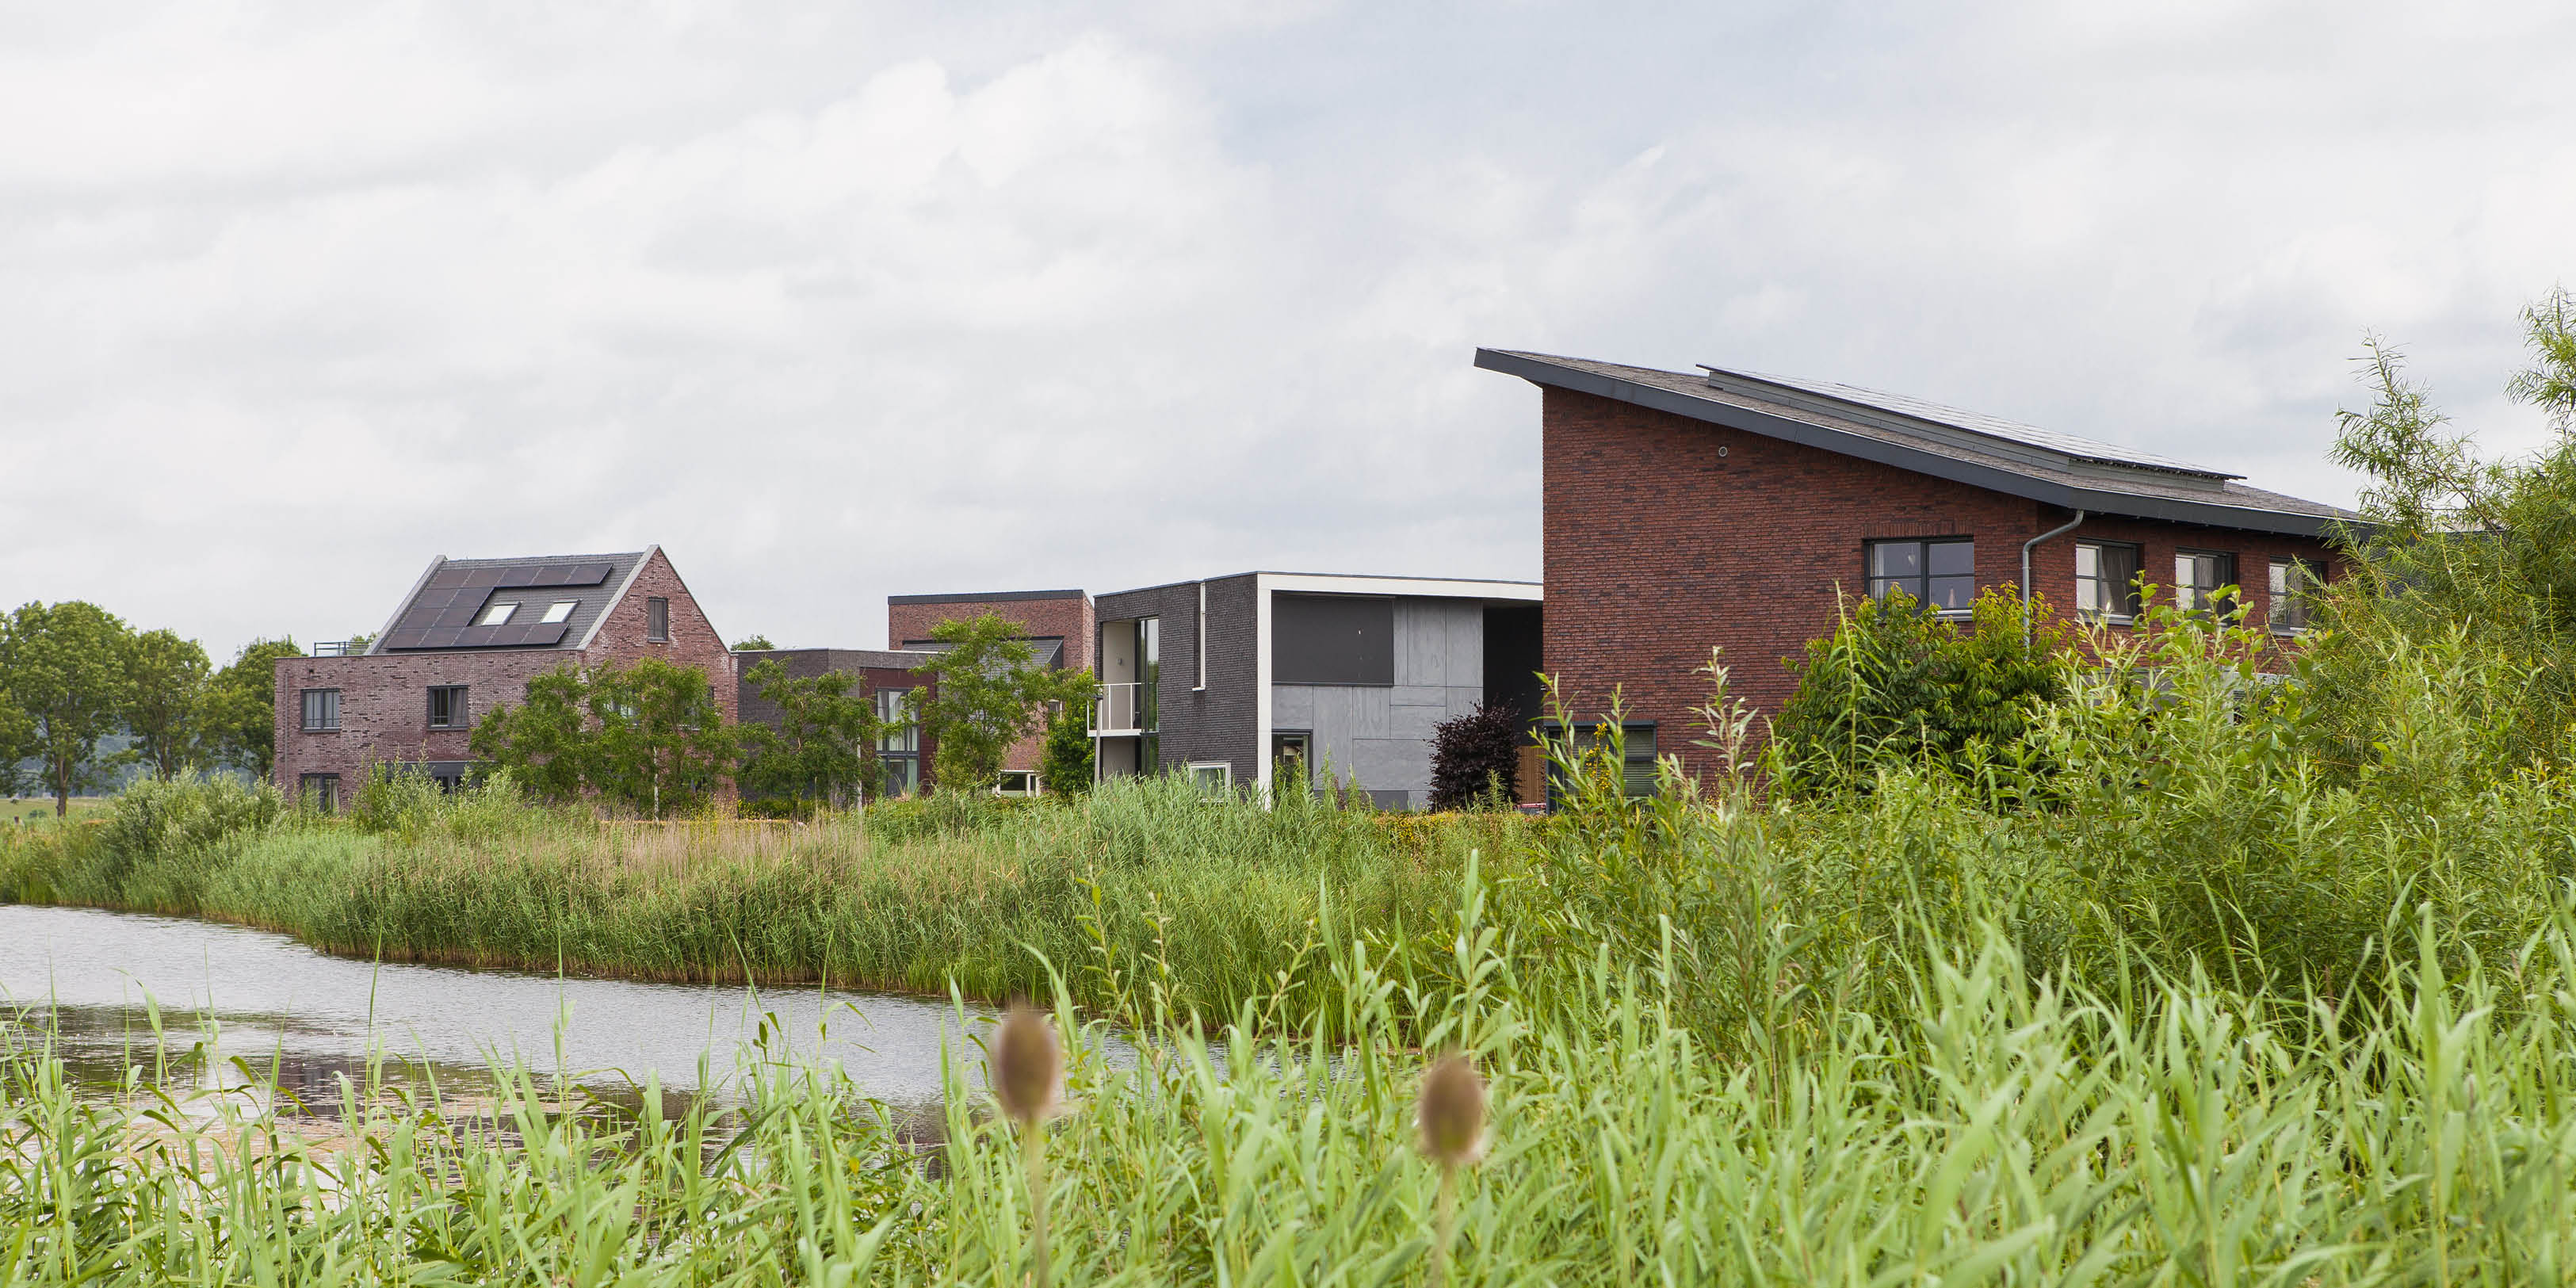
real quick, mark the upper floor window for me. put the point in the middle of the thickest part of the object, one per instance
(657, 619)
(2106, 580)
(2292, 582)
(560, 610)
(2200, 577)
(447, 709)
(498, 615)
(1940, 573)
(321, 710)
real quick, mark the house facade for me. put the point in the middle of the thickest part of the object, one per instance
(883, 678)
(467, 639)
(1235, 679)
(1057, 624)
(1728, 509)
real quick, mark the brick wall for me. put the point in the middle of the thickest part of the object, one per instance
(384, 698)
(1666, 536)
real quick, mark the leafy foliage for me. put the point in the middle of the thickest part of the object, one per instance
(823, 747)
(1065, 761)
(64, 668)
(1475, 757)
(987, 692)
(166, 690)
(650, 738)
(237, 709)
(1894, 684)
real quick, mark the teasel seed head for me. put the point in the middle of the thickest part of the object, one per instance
(1024, 1066)
(1452, 1114)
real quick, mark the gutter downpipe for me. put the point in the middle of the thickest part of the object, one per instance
(2071, 525)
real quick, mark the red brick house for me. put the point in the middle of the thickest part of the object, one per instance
(1057, 623)
(468, 638)
(1727, 509)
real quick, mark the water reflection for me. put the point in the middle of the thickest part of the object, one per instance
(245, 1008)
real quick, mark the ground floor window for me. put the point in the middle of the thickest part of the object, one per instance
(1289, 758)
(1214, 779)
(1017, 782)
(2106, 580)
(318, 792)
(2293, 580)
(1636, 762)
(1939, 574)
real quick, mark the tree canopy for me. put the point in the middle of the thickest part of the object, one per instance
(990, 692)
(649, 737)
(823, 748)
(64, 666)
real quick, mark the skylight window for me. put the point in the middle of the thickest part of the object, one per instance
(560, 610)
(498, 615)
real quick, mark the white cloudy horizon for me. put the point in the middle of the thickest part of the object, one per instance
(837, 302)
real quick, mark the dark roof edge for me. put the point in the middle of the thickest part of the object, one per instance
(403, 605)
(2096, 500)
(992, 597)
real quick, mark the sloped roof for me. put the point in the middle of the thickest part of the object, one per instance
(454, 597)
(1944, 442)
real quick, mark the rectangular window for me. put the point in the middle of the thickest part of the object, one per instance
(498, 615)
(318, 792)
(657, 620)
(2106, 580)
(560, 611)
(447, 708)
(1017, 782)
(1288, 758)
(1637, 756)
(321, 710)
(1332, 639)
(1149, 675)
(1202, 673)
(1213, 778)
(898, 742)
(2201, 578)
(2293, 580)
(1939, 574)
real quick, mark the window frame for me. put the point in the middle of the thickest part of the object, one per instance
(321, 788)
(2126, 595)
(305, 717)
(499, 613)
(1920, 587)
(459, 716)
(2188, 596)
(1223, 786)
(2315, 572)
(553, 617)
(657, 619)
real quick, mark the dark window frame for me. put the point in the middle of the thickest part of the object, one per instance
(2123, 592)
(321, 789)
(657, 619)
(460, 712)
(2295, 621)
(1918, 585)
(2188, 595)
(1637, 773)
(306, 717)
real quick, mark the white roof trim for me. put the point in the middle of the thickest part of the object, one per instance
(616, 599)
(1418, 587)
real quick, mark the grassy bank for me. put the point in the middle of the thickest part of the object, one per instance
(1142, 880)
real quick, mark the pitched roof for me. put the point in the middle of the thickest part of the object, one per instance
(1945, 442)
(452, 604)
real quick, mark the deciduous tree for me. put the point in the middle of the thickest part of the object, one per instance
(166, 700)
(823, 746)
(237, 720)
(990, 693)
(64, 668)
(542, 740)
(661, 743)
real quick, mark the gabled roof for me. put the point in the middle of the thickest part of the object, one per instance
(1944, 442)
(448, 606)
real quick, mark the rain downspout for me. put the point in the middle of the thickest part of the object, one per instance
(2071, 525)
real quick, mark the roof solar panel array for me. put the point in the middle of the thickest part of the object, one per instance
(445, 613)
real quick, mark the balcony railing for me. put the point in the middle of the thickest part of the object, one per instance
(1122, 709)
(332, 648)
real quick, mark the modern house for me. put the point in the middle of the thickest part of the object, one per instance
(1057, 624)
(1724, 508)
(466, 639)
(882, 677)
(1232, 678)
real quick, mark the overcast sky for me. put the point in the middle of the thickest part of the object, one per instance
(834, 302)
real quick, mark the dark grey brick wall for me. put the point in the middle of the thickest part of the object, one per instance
(1218, 722)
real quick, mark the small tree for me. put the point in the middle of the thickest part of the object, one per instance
(755, 644)
(1064, 763)
(823, 746)
(661, 742)
(237, 715)
(990, 692)
(63, 666)
(166, 700)
(543, 740)
(1473, 753)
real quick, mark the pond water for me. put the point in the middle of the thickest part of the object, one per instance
(281, 1011)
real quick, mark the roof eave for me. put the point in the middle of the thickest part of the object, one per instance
(2095, 500)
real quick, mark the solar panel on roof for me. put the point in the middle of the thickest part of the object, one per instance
(1977, 423)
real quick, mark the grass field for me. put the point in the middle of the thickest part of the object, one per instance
(15, 811)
